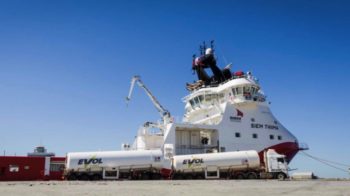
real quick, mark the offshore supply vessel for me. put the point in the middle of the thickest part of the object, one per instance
(226, 112)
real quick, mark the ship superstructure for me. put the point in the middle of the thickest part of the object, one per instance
(230, 115)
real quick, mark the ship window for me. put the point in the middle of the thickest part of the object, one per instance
(237, 134)
(279, 137)
(239, 90)
(14, 168)
(252, 119)
(246, 89)
(192, 102)
(195, 102)
(255, 136)
(221, 97)
(253, 90)
(272, 137)
(246, 92)
(200, 97)
(234, 91)
(210, 97)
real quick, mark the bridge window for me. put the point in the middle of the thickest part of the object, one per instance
(211, 97)
(221, 97)
(239, 90)
(246, 89)
(195, 102)
(272, 137)
(279, 137)
(198, 99)
(234, 91)
(246, 92)
(253, 90)
(192, 102)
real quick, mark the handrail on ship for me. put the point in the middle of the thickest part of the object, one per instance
(246, 76)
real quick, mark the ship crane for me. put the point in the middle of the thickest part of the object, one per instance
(164, 113)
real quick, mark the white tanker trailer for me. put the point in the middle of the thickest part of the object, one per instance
(152, 164)
(140, 164)
(230, 165)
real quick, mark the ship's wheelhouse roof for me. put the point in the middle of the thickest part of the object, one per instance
(222, 87)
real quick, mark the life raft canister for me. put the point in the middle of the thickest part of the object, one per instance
(239, 73)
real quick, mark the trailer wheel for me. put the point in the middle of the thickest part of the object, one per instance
(145, 176)
(135, 175)
(281, 176)
(177, 176)
(252, 176)
(188, 177)
(72, 177)
(84, 177)
(156, 176)
(240, 176)
(231, 175)
(199, 176)
(96, 177)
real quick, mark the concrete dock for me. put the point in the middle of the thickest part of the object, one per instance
(188, 187)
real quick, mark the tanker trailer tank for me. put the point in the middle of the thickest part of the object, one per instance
(238, 165)
(212, 165)
(138, 164)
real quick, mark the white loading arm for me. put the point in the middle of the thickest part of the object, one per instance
(162, 111)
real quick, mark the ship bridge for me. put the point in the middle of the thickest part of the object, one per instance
(206, 105)
(243, 89)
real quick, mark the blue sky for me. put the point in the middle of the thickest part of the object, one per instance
(65, 68)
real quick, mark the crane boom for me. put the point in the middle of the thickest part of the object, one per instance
(162, 111)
